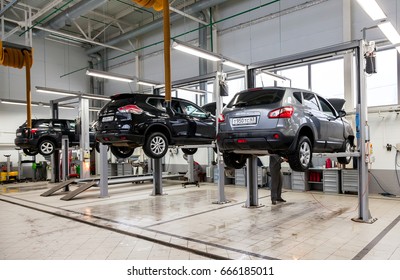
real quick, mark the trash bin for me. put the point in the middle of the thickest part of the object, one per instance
(287, 180)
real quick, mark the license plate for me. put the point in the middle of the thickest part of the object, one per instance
(19, 133)
(108, 119)
(244, 121)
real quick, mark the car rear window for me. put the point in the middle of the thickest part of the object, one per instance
(257, 97)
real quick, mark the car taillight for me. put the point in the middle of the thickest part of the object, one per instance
(133, 109)
(281, 113)
(221, 118)
(34, 130)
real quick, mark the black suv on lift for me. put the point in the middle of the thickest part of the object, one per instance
(45, 136)
(132, 120)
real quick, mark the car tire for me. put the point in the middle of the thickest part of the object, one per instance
(156, 145)
(97, 147)
(47, 147)
(233, 160)
(347, 148)
(301, 159)
(189, 151)
(30, 152)
(122, 152)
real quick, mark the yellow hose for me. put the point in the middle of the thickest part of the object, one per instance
(156, 4)
(18, 58)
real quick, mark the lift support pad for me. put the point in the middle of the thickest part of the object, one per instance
(58, 187)
(79, 190)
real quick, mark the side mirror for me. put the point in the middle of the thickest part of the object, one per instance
(342, 113)
(208, 114)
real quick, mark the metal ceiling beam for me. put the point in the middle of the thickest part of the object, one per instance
(187, 15)
(157, 24)
(79, 38)
(45, 9)
(72, 13)
(8, 6)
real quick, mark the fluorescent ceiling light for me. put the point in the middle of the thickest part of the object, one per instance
(199, 52)
(234, 65)
(55, 91)
(275, 77)
(33, 104)
(390, 32)
(372, 9)
(66, 107)
(149, 84)
(16, 103)
(187, 48)
(89, 96)
(71, 93)
(108, 75)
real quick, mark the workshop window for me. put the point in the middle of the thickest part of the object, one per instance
(382, 86)
(327, 78)
(297, 77)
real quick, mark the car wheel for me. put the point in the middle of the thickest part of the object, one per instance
(97, 147)
(190, 151)
(233, 160)
(122, 152)
(347, 149)
(30, 152)
(156, 145)
(300, 160)
(46, 147)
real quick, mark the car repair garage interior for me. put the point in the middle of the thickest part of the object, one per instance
(133, 132)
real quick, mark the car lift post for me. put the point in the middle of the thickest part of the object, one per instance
(251, 182)
(84, 138)
(55, 157)
(190, 161)
(103, 183)
(220, 161)
(65, 161)
(157, 174)
(362, 140)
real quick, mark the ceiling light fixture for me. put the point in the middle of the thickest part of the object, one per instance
(187, 48)
(56, 91)
(71, 93)
(149, 84)
(274, 76)
(199, 52)
(390, 32)
(112, 76)
(234, 64)
(33, 104)
(97, 97)
(372, 9)
(17, 103)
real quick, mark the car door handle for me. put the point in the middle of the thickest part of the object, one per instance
(309, 113)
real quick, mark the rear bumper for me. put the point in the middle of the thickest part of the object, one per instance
(265, 142)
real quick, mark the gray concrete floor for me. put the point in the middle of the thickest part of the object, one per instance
(185, 224)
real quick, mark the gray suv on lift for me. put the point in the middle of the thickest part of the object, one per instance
(292, 123)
